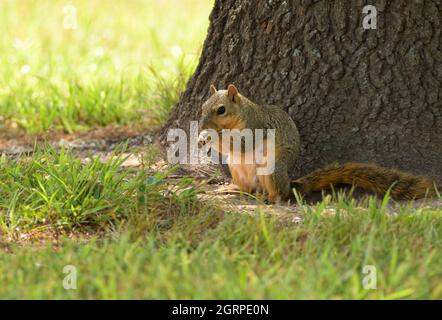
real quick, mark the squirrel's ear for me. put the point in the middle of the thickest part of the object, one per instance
(212, 89)
(232, 92)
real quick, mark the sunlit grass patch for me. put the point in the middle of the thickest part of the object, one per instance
(79, 64)
(150, 238)
(54, 190)
(238, 256)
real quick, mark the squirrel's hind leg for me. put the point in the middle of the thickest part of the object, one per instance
(276, 185)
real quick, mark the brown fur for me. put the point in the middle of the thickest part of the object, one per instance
(370, 177)
(242, 113)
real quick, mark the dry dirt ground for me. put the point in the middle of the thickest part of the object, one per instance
(101, 142)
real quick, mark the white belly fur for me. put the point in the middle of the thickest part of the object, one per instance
(244, 174)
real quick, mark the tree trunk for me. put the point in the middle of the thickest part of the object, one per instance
(355, 94)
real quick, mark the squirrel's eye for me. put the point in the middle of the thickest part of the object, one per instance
(221, 110)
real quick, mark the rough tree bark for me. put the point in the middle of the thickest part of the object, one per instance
(355, 94)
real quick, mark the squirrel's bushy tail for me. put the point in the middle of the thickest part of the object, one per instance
(369, 177)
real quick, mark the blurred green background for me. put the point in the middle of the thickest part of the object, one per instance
(73, 65)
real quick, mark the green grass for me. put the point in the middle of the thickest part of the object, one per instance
(56, 188)
(128, 233)
(159, 242)
(80, 64)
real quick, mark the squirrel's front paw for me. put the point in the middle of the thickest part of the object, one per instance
(204, 138)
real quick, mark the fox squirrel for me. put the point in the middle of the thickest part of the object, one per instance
(228, 109)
